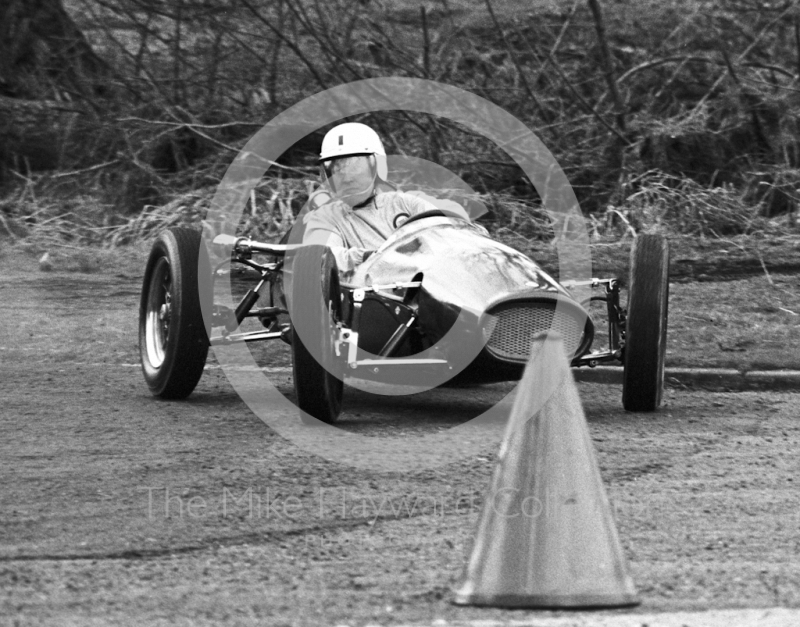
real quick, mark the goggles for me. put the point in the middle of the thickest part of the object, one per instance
(330, 167)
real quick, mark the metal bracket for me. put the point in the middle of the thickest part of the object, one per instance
(399, 362)
(387, 286)
(395, 286)
(349, 338)
(251, 336)
(593, 359)
(592, 282)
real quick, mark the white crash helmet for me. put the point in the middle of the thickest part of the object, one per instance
(351, 139)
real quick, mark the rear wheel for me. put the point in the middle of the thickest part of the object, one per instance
(173, 340)
(314, 308)
(646, 324)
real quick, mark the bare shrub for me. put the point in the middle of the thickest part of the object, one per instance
(681, 115)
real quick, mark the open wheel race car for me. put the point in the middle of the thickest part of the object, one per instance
(439, 301)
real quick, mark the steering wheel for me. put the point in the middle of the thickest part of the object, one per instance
(431, 213)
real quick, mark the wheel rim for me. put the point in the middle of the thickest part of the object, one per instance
(159, 313)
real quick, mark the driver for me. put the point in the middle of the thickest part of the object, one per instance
(363, 210)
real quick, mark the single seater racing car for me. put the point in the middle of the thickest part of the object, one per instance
(440, 301)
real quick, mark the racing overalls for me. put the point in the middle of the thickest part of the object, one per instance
(352, 233)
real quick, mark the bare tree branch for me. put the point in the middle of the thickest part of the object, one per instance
(292, 45)
(608, 66)
(744, 54)
(520, 71)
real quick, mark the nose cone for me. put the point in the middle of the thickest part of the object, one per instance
(461, 265)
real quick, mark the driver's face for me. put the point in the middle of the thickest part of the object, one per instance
(351, 178)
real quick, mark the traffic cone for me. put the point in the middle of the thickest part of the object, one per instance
(546, 537)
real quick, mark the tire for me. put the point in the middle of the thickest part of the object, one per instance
(315, 306)
(646, 324)
(173, 339)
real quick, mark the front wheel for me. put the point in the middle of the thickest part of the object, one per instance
(646, 324)
(173, 339)
(315, 308)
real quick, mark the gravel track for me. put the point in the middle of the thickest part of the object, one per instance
(117, 507)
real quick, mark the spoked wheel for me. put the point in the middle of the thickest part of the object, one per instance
(646, 325)
(315, 308)
(173, 340)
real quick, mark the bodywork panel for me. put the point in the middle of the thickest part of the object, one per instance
(482, 284)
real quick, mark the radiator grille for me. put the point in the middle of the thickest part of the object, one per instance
(512, 328)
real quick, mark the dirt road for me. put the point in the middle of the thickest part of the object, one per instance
(117, 506)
